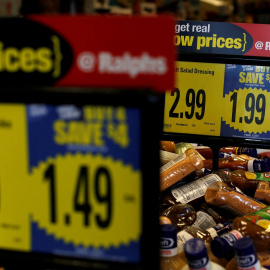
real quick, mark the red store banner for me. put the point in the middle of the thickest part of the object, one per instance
(88, 51)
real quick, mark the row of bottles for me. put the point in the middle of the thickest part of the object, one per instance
(196, 256)
(225, 209)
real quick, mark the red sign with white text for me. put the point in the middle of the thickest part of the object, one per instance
(107, 51)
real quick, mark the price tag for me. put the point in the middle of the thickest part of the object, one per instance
(69, 177)
(246, 110)
(245, 98)
(194, 105)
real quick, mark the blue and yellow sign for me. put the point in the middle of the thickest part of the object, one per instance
(69, 177)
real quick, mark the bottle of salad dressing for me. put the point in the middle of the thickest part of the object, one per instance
(197, 256)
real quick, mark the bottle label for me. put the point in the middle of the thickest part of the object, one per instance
(263, 176)
(232, 237)
(168, 247)
(168, 252)
(195, 189)
(166, 156)
(251, 175)
(200, 264)
(203, 221)
(261, 218)
(182, 238)
(172, 162)
(248, 262)
(222, 154)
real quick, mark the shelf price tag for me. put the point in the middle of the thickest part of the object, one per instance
(193, 106)
(246, 110)
(69, 178)
(245, 98)
(86, 204)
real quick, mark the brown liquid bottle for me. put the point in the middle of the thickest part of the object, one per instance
(190, 232)
(207, 236)
(260, 236)
(221, 195)
(239, 150)
(222, 246)
(205, 151)
(167, 146)
(246, 185)
(181, 215)
(192, 192)
(240, 162)
(263, 192)
(213, 212)
(177, 169)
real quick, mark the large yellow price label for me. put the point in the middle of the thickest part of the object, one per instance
(245, 110)
(77, 201)
(85, 199)
(193, 106)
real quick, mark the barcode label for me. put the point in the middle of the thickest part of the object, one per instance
(203, 221)
(172, 162)
(194, 190)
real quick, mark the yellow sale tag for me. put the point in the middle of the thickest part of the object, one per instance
(194, 105)
(71, 181)
(245, 110)
(85, 199)
(15, 193)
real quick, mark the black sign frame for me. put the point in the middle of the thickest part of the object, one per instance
(150, 105)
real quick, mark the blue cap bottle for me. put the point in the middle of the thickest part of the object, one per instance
(168, 240)
(261, 165)
(222, 246)
(197, 256)
(246, 255)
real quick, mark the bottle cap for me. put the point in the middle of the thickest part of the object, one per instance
(222, 246)
(196, 253)
(262, 165)
(212, 232)
(244, 247)
(219, 247)
(168, 240)
(245, 253)
(247, 151)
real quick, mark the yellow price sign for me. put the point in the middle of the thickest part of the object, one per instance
(85, 199)
(193, 106)
(245, 110)
(69, 177)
